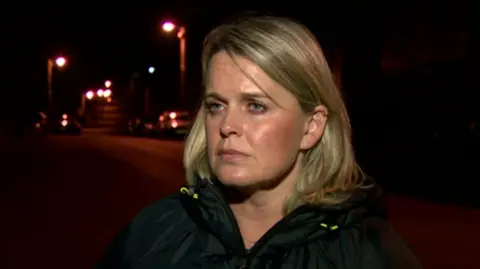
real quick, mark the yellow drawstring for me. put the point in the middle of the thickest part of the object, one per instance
(331, 228)
(185, 190)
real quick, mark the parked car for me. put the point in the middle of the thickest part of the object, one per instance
(66, 124)
(39, 126)
(174, 123)
(142, 126)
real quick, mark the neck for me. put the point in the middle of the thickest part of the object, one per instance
(263, 208)
(262, 205)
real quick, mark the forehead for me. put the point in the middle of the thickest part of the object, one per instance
(235, 73)
(233, 77)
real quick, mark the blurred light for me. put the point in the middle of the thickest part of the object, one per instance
(60, 61)
(174, 124)
(107, 93)
(168, 26)
(90, 95)
(173, 115)
(64, 116)
(109, 100)
(38, 125)
(149, 126)
(151, 70)
(100, 93)
(108, 83)
(161, 118)
(64, 123)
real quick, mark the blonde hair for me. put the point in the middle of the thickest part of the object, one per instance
(289, 53)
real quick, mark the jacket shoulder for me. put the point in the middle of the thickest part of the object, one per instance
(372, 244)
(390, 246)
(149, 232)
(161, 212)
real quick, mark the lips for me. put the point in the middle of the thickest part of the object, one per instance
(231, 155)
(230, 152)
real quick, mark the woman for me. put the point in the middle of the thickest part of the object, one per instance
(272, 178)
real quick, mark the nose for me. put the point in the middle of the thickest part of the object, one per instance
(231, 124)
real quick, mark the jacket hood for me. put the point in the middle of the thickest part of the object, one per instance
(365, 202)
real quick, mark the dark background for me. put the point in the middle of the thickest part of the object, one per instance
(406, 69)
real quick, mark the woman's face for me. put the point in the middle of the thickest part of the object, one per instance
(254, 131)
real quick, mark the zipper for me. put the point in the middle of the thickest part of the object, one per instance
(230, 216)
(244, 255)
(268, 235)
(249, 254)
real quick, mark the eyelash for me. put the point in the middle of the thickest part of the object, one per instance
(261, 108)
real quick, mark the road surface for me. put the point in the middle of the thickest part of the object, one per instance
(62, 199)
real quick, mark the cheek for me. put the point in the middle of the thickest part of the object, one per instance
(276, 141)
(212, 133)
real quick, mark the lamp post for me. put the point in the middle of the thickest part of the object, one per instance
(146, 98)
(59, 62)
(181, 35)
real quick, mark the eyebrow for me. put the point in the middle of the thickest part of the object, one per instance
(245, 96)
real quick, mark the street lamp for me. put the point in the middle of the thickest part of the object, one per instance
(59, 62)
(108, 83)
(151, 70)
(107, 93)
(90, 95)
(181, 31)
(168, 26)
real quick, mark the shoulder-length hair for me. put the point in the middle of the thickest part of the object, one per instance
(290, 54)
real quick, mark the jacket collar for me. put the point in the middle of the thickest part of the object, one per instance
(211, 211)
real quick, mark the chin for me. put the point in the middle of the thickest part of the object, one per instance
(236, 182)
(243, 180)
(235, 177)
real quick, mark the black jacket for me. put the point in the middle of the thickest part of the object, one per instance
(197, 229)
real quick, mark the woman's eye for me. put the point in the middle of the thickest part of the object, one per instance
(256, 107)
(213, 107)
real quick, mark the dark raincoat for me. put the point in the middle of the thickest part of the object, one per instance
(197, 229)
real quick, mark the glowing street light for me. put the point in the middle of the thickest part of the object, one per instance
(151, 70)
(168, 26)
(60, 61)
(108, 83)
(90, 95)
(100, 92)
(107, 93)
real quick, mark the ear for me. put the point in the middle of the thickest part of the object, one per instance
(314, 127)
